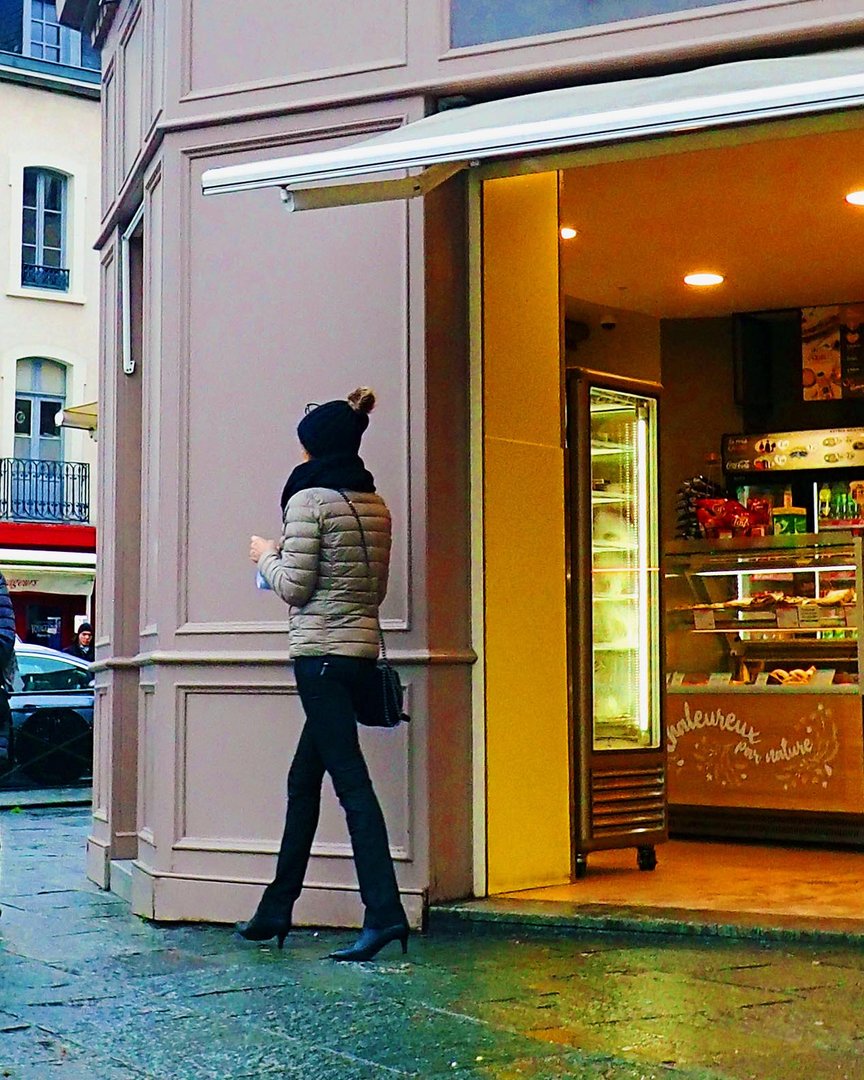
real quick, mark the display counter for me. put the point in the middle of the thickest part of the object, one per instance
(763, 699)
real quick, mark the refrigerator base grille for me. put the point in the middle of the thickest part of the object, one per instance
(628, 800)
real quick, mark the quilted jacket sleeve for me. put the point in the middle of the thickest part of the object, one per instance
(7, 624)
(292, 572)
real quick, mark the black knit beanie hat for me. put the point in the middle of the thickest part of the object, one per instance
(336, 427)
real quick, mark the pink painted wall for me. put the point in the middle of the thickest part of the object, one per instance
(247, 314)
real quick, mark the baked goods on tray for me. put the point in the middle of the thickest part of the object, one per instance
(768, 600)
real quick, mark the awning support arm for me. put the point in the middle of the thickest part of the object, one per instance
(371, 191)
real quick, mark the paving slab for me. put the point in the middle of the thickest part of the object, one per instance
(90, 992)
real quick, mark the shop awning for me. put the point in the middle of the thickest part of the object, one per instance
(47, 579)
(85, 417)
(709, 97)
(65, 572)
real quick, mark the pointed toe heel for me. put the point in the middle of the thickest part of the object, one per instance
(261, 928)
(372, 941)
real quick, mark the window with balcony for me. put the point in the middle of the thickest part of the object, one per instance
(44, 262)
(38, 484)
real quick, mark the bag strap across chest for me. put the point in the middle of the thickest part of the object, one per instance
(373, 583)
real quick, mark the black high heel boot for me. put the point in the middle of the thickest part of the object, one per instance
(263, 927)
(372, 941)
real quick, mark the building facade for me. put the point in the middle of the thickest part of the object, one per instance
(222, 317)
(49, 134)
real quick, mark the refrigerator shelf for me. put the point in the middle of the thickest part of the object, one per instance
(601, 448)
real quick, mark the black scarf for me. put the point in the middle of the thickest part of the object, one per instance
(337, 471)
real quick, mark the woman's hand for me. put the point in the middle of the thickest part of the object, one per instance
(258, 547)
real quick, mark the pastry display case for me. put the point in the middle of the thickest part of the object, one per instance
(616, 683)
(763, 698)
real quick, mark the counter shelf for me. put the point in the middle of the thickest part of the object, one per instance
(749, 757)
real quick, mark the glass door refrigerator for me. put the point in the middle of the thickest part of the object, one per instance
(615, 633)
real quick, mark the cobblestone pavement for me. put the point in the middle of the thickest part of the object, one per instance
(90, 992)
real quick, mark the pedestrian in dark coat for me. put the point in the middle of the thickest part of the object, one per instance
(7, 625)
(82, 646)
(8, 666)
(331, 569)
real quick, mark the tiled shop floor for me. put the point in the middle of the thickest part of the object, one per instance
(804, 882)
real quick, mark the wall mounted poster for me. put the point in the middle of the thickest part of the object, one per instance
(832, 352)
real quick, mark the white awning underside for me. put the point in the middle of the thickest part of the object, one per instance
(557, 119)
(47, 571)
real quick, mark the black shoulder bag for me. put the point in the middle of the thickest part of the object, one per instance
(382, 705)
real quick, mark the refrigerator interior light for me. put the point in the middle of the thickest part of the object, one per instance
(644, 657)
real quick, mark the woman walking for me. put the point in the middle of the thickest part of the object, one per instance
(333, 579)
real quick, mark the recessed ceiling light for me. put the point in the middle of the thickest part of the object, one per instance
(568, 232)
(703, 280)
(856, 198)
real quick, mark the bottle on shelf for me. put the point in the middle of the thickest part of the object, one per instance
(838, 501)
(856, 489)
(824, 500)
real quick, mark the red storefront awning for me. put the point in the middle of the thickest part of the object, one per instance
(36, 534)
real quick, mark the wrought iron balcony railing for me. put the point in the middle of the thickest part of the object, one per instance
(44, 490)
(45, 277)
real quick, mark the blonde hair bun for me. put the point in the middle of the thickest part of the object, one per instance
(362, 399)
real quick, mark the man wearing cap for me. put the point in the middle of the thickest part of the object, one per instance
(82, 646)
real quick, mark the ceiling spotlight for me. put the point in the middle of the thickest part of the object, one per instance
(702, 280)
(567, 232)
(855, 198)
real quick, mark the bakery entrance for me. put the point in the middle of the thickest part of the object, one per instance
(635, 259)
(723, 269)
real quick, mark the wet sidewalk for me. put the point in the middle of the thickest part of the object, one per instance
(90, 992)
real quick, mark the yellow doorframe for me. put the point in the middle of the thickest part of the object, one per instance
(522, 767)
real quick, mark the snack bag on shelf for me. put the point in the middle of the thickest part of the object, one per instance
(722, 517)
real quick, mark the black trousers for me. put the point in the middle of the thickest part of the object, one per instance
(328, 688)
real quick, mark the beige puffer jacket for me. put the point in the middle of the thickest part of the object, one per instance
(320, 571)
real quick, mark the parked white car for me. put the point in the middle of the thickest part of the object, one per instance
(51, 738)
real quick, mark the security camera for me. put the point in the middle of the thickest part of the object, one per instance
(608, 322)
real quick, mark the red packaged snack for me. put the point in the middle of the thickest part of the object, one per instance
(722, 517)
